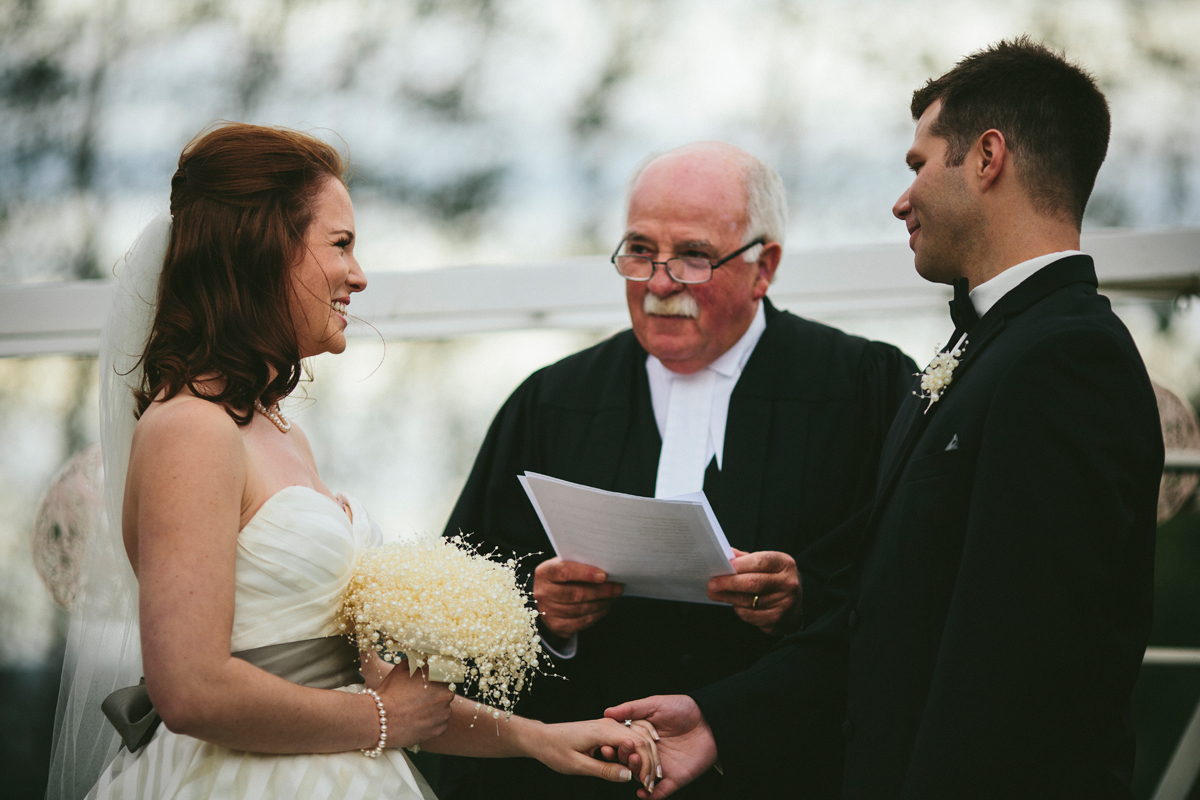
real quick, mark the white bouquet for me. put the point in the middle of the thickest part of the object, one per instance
(442, 605)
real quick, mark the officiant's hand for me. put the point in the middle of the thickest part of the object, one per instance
(769, 576)
(686, 747)
(571, 596)
(418, 708)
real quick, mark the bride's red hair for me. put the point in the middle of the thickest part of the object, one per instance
(241, 201)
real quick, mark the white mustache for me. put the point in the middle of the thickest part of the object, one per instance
(680, 304)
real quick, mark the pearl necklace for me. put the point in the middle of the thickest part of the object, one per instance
(273, 414)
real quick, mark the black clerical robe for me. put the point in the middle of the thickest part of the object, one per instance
(805, 428)
(989, 633)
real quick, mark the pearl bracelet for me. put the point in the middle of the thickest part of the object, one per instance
(377, 750)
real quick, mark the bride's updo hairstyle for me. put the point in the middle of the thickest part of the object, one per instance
(241, 201)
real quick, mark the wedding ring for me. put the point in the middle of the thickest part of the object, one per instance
(754, 603)
(628, 723)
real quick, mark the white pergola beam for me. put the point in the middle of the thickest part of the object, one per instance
(586, 293)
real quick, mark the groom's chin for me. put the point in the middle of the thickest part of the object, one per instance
(936, 270)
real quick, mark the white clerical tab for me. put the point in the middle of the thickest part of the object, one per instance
(682, 460)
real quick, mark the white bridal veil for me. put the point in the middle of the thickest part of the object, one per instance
(103, 647)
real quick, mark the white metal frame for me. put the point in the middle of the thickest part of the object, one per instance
(587, 293)
(1180, 775)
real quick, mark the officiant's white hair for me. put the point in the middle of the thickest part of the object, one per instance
(766, 199)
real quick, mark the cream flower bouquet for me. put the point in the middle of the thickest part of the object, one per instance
(442, 605)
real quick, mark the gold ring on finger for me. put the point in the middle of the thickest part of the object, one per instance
(754, 602)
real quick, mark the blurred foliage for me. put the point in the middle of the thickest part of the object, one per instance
(493, 130)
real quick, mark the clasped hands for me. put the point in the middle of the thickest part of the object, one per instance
(765, 592)
(685, 748)
(428, 708)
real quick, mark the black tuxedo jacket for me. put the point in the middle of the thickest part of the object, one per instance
(805, 428)
(985, 641)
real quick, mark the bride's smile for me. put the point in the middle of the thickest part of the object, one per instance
(326, 274)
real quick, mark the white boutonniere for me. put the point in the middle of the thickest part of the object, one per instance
(940, 372)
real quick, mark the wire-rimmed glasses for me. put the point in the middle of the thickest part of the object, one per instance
(687, 269)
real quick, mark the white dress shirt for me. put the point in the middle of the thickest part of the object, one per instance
(690, 443)
(986, 294)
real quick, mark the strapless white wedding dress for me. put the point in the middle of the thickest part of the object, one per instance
(294, 560)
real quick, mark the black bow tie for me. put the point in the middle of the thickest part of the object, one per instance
(962, 311)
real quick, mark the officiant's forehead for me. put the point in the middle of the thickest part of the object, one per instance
(690, 196)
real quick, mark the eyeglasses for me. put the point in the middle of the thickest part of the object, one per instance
(681, 270)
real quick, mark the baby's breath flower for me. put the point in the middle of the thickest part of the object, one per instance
(443, 605)
(940, 372)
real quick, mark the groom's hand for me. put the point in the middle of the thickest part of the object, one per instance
(686, 747)
(769, 576)
(570, 596)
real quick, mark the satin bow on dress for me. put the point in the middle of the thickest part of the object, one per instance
(324, 663)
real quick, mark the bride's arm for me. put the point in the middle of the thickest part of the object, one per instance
(187, 477)
(565, 747)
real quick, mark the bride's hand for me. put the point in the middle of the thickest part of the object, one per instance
(571, 748)
(417, 709)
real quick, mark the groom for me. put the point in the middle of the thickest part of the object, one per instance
(991, 627)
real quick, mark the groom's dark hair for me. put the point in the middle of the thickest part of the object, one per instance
(1054, 119)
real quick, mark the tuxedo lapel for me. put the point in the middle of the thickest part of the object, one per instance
(912, 418)
(906, 418)
(916, 412)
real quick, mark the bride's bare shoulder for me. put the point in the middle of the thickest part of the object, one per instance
(186, 422)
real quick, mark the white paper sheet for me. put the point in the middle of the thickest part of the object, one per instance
(665, 549)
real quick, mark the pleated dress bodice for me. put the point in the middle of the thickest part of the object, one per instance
(294, 560)
(288, 587)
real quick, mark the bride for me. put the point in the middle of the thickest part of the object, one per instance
(237, 552)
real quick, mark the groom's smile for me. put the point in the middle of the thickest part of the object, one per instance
(938, 209)
(913, 227)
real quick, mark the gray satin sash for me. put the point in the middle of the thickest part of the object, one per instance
(325, 663)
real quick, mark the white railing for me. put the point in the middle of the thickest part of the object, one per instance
(1180, 775)
(587, 293)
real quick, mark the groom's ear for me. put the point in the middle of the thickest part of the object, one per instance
(990, 158)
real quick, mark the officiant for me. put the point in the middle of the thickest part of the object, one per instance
(778, 419)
